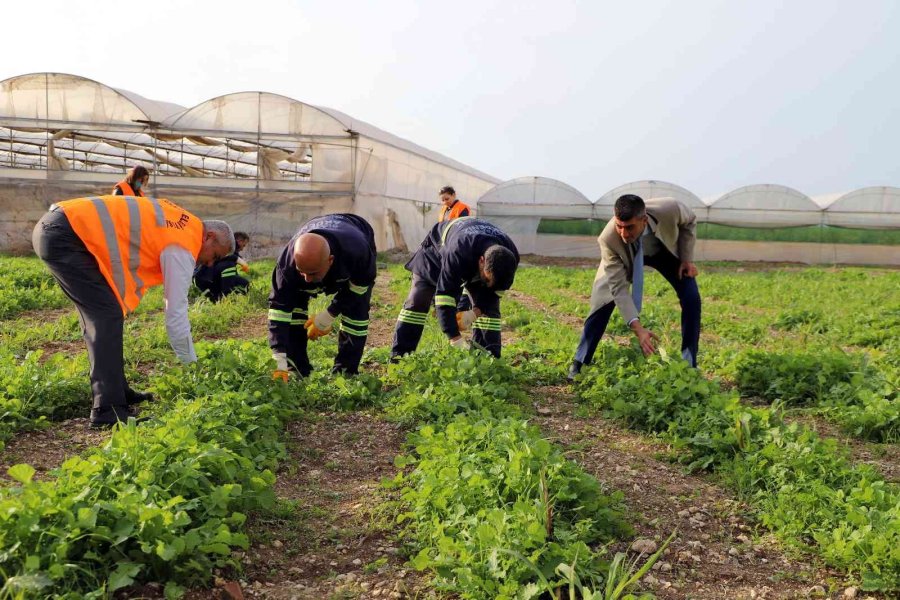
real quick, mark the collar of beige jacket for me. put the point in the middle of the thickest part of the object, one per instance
(653, 223)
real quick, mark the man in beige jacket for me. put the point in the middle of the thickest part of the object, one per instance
(659, 234)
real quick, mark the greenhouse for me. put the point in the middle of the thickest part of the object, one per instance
(263, 162)
(266, 163)
(764, 222)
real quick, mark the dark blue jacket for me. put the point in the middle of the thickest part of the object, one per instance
(220, 279)
(350, 277)
(448, 260)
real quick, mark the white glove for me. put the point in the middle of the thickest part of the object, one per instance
(460, 343)
(281, 361)
(323, 320)
(465, 319)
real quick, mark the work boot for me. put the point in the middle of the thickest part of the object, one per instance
(574, 370)
(132, 397)
(107, 416)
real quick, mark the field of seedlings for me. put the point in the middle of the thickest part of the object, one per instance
(772, 471)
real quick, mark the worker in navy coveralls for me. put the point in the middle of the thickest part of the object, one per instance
(466, 252)
(331, 254)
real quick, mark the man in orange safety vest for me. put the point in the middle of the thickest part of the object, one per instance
(105, 252)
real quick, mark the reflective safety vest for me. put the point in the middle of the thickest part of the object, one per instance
(455, 211)
(127, 235)
(126, 189)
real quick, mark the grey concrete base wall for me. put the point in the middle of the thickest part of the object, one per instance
(270, 218)
(706, 250)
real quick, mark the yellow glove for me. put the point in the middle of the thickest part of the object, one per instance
(243, 265)
(313, 332)
(465, 319)
(281, 367)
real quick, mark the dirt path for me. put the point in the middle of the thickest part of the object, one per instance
(717, 552)
(323, 540)
(383, 314)
(38, 315)
(536, 305)
(47, 449)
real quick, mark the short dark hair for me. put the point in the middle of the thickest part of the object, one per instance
(629, 206)
(240, 235)
(447, 189)
(501, 263)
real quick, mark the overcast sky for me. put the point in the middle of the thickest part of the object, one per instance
(708, 94)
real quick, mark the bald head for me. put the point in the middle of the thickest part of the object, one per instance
(312, 256)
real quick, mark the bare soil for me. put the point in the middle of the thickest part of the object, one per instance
(48, 448)
(42, 315)
(718, 552)
(325, 538)
(536, 305)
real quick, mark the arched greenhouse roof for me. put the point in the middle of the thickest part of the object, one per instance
(535, 195)
(254, 113)
(876, 207)
(62, 97)
(370, 131)
(60, 121)
(648, 188)
(765, 205)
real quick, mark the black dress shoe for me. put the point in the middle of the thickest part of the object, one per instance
(132, 397)
(108, 416)
(574, 370)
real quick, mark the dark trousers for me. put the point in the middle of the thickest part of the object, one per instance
(411, 322)
(688, 295)
(352, 332)
(100, 313)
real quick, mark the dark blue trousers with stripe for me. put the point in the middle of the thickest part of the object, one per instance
(411, 322)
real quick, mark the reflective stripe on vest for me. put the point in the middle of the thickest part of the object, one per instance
(127, 190)
(120, 229)
(450, 226)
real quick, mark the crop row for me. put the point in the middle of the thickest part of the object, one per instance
(27, 285)
(35, 389)
(803, 487)
(167, 498)
(487, 505)
(862, 399)
(792, 358)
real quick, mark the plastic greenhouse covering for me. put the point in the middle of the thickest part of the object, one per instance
(269, 148)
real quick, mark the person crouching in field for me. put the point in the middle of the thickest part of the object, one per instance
(105, 252)
(466, 252)
(661, 234)
(331, 254)
(222, 278)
